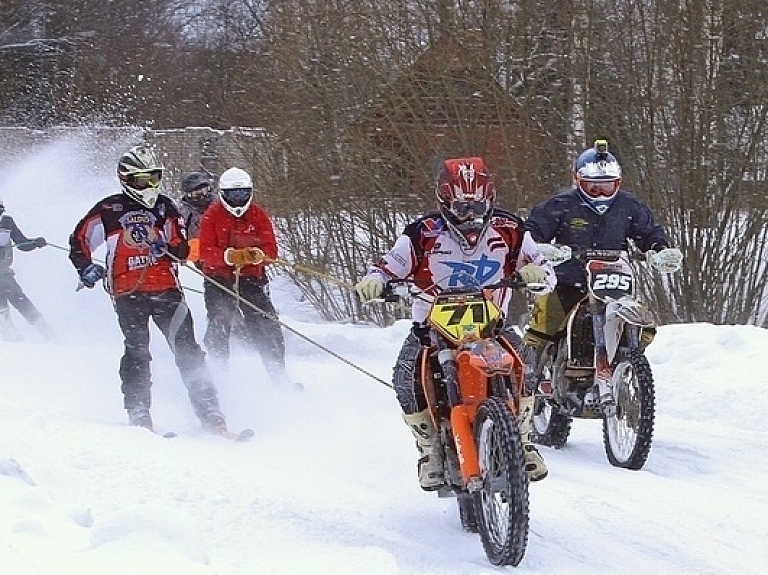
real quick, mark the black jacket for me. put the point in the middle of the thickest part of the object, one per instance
(568, 220)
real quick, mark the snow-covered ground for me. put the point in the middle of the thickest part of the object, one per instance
(328, 485)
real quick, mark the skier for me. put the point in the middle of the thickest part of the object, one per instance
(141, 226)
(468, 241)
(196, 196)
(237, 241)
(10, 290)
(595, 213)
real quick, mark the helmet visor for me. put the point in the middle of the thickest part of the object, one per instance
(599, 188)
(470, 210)
(199, 193)
(144, 180)
(237, 197)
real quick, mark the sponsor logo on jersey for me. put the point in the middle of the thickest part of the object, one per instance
(473, 273)
(578, 224)
(138, 229)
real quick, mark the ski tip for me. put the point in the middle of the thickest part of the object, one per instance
(169, 434)
(245, 435)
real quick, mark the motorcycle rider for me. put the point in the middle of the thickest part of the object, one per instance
(196, 196)
(141, 226)
(10, 290)
(237, 240)
(595, 213)
(467, 241)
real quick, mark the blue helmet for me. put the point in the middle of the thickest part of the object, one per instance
(597, 174)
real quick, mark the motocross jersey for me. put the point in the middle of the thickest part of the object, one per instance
(220, 230)
(567, 219)
(129, 228)
(429, 253)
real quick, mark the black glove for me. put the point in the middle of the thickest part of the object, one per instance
(91, 273)
(40, 242)
(422, 333)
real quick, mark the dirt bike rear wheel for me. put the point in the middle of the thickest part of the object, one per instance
(501, 506)
(627, 435)
(549, 427)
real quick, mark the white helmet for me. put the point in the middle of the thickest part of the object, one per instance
(236, 191)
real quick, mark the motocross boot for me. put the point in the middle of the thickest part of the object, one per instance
(8, 331)
(534, 462)
(431, 460)
(140, 417)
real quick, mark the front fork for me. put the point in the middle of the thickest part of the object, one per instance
(461, 418)
(602, 366)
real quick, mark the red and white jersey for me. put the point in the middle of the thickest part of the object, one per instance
(129, 228)
(429, 253)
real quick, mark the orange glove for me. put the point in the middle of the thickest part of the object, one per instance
(243, 257)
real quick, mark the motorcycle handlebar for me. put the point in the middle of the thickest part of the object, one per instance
(391, 293)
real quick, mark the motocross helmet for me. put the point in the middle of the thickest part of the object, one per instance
(141, 174)
(597, 174)
(236, 191)
(466, 194)
(196, 189)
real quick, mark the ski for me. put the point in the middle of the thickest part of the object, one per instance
(244, 435)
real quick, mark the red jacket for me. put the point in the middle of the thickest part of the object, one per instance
(220, 230)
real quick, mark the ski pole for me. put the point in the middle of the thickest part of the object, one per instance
(257, 309)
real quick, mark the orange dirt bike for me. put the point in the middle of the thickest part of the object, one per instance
(609, 319)
(472, 380)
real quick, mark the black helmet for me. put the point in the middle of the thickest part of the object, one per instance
(196, 189)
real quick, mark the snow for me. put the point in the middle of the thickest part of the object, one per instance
(328, 485)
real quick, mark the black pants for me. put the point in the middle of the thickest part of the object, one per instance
(11, 293)
(171, 315)
(258, 331)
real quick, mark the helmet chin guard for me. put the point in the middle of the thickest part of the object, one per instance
(466, 194)
(141, 174)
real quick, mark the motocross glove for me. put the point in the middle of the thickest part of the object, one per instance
(40, 242)
(91, 273)
(370, 287)
(158, 248)
(555, 254)
(533, 274)
(243, 256)
(667, 261)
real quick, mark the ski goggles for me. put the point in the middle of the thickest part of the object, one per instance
(237, 197)
(466, 210)
(199, 192)
(599, 188)
(144, 180)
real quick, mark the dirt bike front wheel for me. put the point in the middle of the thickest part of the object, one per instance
(627, 435)
(501, 506)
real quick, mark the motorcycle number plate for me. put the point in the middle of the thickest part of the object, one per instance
(461, 317)
(610, 280)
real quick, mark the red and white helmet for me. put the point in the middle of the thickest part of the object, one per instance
(466, 195)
